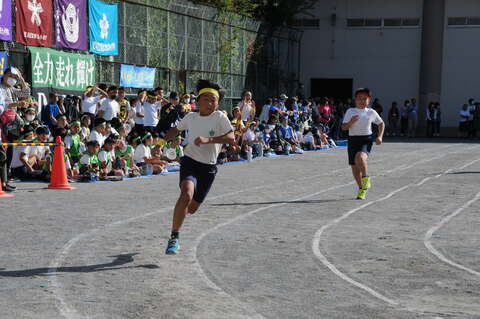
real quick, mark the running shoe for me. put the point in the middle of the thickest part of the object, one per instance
(366, 183)
(362, 194)
(173, 246)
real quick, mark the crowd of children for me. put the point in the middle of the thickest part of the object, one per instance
(109, 137)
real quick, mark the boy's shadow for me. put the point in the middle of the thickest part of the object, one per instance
(313, 201)
(113, 265)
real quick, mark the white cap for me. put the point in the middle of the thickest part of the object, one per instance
(283, 96)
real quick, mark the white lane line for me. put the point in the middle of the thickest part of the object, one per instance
(318, 235)
(213, 285)
(427, 241)
(428, 237)
(70, 313)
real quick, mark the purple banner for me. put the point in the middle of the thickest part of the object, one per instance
(71, 24)
(6, 20)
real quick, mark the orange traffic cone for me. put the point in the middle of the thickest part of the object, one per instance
(2, 193)
(58, 179)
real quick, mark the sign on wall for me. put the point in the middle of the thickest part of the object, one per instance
(60, 70)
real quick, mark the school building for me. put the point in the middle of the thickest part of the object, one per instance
(424, 49)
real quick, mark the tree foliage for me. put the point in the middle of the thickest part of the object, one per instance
(276, 12)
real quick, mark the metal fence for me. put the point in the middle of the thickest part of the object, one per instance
(186, 42)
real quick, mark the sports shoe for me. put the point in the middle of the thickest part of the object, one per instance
(362, 194)
(366, 183)
(173, 246)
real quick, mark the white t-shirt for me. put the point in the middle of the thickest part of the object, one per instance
(246, 109)
(249, 135)
(141, 152)
(215, 125)
(138, 109)
(40, 151)
(111, 108)
(89, 104)
(462, 114)
(363, 126)
(17, 150)
(96, 136)
(264, 116)
(150, 112)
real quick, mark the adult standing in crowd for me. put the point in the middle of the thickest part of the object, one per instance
(109, 107)
(247, 107)
(92, 96)
(393, 118)
(429, 118)
(10, 93)
(412, 118)
(437, 119)
(404, 118)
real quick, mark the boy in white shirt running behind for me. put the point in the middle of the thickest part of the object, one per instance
(358, 121)
(207, 131)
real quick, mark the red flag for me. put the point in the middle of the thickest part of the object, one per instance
(34, 22)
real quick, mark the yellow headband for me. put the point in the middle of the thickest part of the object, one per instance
(152, 96)
(209, 90)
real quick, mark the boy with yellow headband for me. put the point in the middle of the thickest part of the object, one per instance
(208, 130)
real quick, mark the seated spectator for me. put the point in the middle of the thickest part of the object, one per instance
(143, 156)
(99, 133)
(85, 127)
(41, 153)
(89, 163)
(73, 143)
(62, 122)
(30, 117)
(288, 138)
(174, 151)
(251, 143)
(24, 159)
(124, 153)
(106, 158)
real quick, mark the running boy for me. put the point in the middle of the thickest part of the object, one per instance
(207, 131)
(358, 121)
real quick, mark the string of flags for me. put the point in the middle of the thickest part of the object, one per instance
(62, 24)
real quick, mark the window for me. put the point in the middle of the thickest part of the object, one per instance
(411, 22)
(464, 21)
(380, 23)
(392, 22)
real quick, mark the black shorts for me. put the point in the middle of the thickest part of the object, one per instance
(358, 144)
(202, 175)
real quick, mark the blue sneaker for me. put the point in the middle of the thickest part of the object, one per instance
(173, 246)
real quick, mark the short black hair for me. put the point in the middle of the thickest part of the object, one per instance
(98, 121)
(203, 84)
(363, 90)
(150, 93)
(102, 86)
(52, 95)
(121, 89)
(41, 130)
(109, 141)
(112, 88)
(92, 143)
(158, 88)
(59, 131)
(173, 95)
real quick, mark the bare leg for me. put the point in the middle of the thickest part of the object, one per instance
(361, 163)
(187, 189)
(357, 174)
(193, 207)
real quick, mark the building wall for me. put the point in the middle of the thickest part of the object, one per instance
(461, 60)
(387, 60)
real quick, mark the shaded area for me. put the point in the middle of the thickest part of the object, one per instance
(465, 172)
(315, 201)
(114, 265)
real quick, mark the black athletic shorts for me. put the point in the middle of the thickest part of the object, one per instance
(358, 144)
(202, 175)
